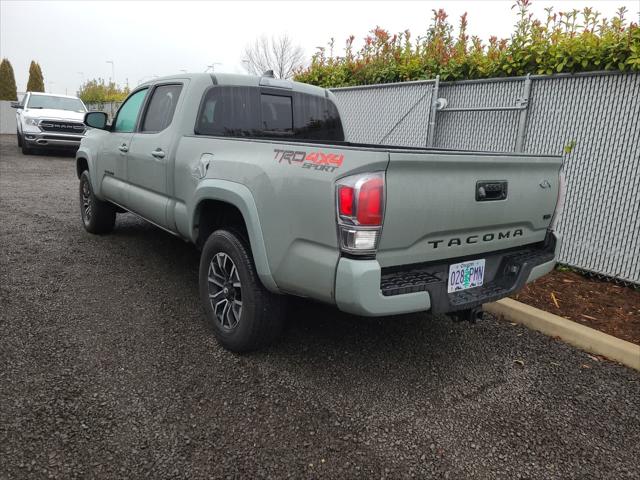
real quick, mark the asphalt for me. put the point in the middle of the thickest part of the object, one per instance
(108, 370)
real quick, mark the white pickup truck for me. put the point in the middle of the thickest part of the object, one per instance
(45, 120)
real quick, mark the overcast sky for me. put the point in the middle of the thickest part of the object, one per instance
(73, 41)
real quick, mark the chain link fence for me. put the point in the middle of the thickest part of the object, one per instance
(598, 114)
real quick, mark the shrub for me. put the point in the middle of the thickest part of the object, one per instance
(97, 91)
(574, 41)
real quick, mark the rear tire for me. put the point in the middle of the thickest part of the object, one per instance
(97, 216)
(243, 314)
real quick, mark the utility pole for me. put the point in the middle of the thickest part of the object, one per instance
(113, 71)
(81, 79)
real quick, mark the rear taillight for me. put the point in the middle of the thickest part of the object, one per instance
(360, 208)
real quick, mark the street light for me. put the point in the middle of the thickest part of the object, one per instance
(113, 71)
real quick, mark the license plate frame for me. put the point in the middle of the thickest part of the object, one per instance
(466, 275)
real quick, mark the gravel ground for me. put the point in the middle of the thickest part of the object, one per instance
(107, 370)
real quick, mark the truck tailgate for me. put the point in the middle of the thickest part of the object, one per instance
(435, 210)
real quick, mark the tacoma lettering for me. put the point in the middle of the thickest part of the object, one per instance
(471, 239)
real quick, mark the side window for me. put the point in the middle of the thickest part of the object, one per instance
(228, 111)
(277, 114)
(161, 108)
(128, 113)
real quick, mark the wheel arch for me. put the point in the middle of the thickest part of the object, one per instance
(223, 204)
(82, 164)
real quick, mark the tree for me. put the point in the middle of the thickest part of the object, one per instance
(97, 91)
(36, 80)
(277, 54)
(8, 89)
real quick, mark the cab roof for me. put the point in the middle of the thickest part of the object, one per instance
(234, 79)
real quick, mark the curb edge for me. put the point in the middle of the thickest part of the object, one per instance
(580, 336)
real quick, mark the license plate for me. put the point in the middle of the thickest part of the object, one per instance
(465, 275)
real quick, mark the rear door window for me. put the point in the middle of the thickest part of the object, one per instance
(161, 108)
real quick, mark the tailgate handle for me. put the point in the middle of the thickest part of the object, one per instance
(488, 190)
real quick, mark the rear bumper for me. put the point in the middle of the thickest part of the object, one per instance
(364, 288)
(51, 140)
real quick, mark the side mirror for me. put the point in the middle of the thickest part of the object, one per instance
(16, 105)
(96, 120)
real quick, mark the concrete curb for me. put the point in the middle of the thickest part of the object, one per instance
(584, 338)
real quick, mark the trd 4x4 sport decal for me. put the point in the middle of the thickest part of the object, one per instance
(324, 162)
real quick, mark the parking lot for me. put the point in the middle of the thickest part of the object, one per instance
(108, 370)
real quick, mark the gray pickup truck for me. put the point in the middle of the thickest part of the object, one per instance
(257, 173)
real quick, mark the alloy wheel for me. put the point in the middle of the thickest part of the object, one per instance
(86, 202)
(225, 290)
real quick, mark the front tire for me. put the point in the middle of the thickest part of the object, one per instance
(26, 150)
(19, 139)
(97, 216)
(243, 314)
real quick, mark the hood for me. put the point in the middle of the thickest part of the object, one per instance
(54, 114)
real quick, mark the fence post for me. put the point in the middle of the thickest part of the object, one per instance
(523, 102)
(432, 112)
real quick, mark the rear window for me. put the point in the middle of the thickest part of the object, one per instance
(251, 112)
(161, 108)
(316, 118)
(277, 114)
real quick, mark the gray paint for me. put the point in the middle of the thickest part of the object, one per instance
(290, 211)
(600, 111)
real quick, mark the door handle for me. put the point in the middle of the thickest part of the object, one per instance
(158, 153)
(123, 148)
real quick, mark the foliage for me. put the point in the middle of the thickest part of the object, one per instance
(277, 54)
(8, 89)
(97, 91)
(36, 80)
(573, 41)
(568, 148)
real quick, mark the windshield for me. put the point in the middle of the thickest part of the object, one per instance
(56, 103)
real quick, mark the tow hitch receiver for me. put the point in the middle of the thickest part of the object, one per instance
(471, 315)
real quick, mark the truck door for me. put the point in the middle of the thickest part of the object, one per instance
(151, 155)
(113, 156)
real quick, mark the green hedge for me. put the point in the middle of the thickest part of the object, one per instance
(98, 91)
(575, 41)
